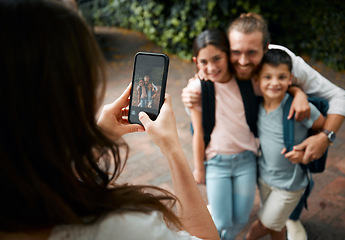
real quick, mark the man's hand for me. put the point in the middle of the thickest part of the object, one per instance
(314, 146)
(300, 105)
(190, 97)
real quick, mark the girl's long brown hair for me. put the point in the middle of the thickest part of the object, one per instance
(52, 81)
(213, 37)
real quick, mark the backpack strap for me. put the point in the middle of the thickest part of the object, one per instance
(208, 104)
(288, 125)
(289, 136)
(251, 104)
(289, 132)
(250, 101)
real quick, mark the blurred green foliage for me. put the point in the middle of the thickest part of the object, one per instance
(312, 27)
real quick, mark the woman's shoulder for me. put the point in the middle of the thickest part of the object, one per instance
(130, 225)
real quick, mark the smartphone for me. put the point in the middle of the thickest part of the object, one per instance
(149, 80)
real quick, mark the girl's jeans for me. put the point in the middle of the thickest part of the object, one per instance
(231, 185)
(143, 102)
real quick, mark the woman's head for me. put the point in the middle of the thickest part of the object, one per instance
(51, 68)
(53, 80)
(53, 77)
(211, 54)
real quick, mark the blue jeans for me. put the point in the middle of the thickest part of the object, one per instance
(230, 186)
(143, 102)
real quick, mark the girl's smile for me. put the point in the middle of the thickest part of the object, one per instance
(213, 63)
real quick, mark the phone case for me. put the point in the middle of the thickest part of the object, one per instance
(149, 80)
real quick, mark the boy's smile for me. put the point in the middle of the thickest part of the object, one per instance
(274, 81)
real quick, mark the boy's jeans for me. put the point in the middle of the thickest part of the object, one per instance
(231, 185)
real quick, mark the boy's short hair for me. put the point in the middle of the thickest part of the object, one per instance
(276, 57)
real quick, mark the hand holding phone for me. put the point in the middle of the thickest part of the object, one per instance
(163, 131)
(112, 121)
(148, 85)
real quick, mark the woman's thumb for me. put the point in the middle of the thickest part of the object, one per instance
(144, 119)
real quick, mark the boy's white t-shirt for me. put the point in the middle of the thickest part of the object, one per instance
(231, 133)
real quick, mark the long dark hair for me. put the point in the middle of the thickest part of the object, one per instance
(213, 37)
(52, 82)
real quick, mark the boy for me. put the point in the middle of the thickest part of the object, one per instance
(151, 94)
(281, 182)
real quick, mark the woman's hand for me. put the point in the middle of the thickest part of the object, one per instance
(162, 131)
(113, 120)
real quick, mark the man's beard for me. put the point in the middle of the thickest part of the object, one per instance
(244, 76)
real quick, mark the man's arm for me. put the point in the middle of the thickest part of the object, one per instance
(154, 87)
(316, 145)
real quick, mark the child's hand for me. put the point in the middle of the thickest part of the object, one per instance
(295, 156)
(199, 176)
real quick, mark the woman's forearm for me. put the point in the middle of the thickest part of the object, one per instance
(192, 209)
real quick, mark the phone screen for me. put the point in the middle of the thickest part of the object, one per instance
(148, 85)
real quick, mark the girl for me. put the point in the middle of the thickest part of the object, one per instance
(228, 162)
